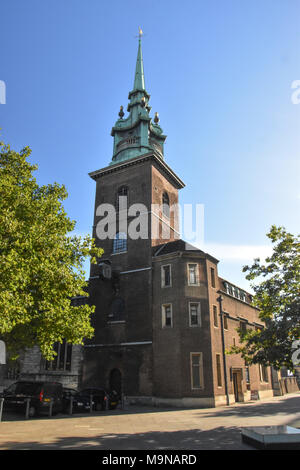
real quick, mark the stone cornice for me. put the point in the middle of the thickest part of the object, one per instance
(178, 183)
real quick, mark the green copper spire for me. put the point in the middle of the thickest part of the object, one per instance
(139, 79)
(136, 135)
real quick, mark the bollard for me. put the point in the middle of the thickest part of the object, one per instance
(71, 405)
(1, 408)
(50, 407)
(27, 408)
(125, 403)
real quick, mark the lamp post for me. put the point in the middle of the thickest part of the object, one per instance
(220, 299)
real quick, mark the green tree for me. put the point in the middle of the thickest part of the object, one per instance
(41, 264)
(277, 295)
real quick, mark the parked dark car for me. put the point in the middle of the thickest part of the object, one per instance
(40, 393)
(102, 400)
(80, 403)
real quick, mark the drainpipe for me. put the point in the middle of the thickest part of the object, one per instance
(220, 299)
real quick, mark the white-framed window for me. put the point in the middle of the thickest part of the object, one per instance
(195, 313)
(243, 326)
(193, 274)
(166, 276)
(63, 358)
(196, 366)
(263, 373)
(167, 316)
(247, 377)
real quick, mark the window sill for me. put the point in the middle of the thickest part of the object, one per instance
(119, 253)
(115, 322)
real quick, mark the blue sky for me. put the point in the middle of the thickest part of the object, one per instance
(220, 76)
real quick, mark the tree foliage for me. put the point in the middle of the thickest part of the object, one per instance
(277, 295)
(41, 265)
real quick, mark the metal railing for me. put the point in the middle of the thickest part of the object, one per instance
(27, 408)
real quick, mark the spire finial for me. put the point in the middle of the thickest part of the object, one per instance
(139, 80)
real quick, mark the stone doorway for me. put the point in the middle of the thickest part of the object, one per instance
(237, 385)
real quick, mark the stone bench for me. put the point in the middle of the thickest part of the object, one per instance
(272, 437)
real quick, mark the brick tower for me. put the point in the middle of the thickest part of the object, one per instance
(135, 194)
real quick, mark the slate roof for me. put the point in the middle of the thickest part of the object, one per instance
(172, 247)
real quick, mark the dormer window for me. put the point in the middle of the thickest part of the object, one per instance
(230, 290)
(242, 296)
(166, 205)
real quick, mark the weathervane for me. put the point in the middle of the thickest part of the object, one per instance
(140, 33)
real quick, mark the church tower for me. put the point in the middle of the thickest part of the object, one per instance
(135, 209)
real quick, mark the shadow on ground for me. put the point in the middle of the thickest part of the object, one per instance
(279, 407)
(287, 406)
(215, 439)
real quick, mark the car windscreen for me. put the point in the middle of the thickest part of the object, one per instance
(69, 392)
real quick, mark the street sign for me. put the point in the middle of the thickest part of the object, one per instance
(254, 395)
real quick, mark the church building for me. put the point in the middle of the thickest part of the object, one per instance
(164, 318)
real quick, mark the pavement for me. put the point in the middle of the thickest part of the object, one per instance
(146, 428)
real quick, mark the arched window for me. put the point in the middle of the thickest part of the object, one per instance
(120, 242)
(166, 205)
(122, 198)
